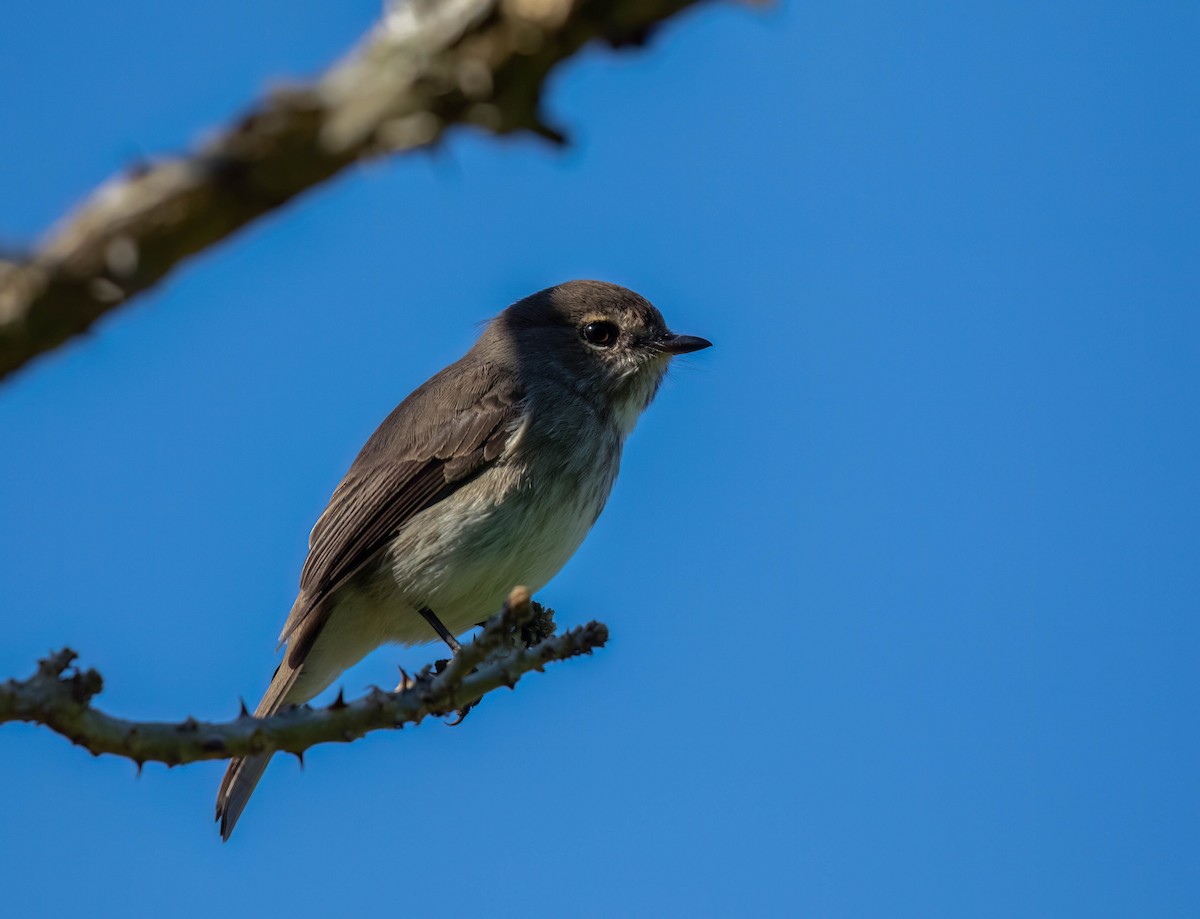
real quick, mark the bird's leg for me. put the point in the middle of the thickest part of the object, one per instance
(443, 632)
(455, 647)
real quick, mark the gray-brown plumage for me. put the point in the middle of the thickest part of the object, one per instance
(487, 476)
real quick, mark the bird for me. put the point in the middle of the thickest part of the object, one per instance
(488, 475)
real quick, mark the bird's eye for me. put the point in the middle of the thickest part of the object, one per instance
(603, 334)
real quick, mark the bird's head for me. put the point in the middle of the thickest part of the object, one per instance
(602, 340)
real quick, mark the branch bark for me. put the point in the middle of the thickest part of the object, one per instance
(427, 66)
(518, 639)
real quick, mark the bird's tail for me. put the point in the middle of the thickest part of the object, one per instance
(243, 774)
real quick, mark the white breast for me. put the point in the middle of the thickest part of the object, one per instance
(517, 523)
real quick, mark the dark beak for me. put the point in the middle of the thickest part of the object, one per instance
(680, 344)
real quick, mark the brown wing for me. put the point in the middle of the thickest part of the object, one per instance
(436, 441)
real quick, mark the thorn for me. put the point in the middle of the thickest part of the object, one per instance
(245, 712)
(547, 132)
(140, 764)
(300, 759)
(340, 701)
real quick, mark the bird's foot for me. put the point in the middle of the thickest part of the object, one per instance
(462, 714)
(438, 667)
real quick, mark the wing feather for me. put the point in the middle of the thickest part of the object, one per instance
(436, 441)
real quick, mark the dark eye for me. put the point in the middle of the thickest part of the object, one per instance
(603, 334)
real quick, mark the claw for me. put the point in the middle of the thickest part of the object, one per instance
(462, 715)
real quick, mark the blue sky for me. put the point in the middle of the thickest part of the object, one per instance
(901, 575)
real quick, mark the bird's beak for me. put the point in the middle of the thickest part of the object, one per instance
(670, 343)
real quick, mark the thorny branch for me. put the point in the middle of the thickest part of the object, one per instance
(518, 639)
(427, 66)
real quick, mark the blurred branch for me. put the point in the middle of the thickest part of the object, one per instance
(518, 639)
(428, 65)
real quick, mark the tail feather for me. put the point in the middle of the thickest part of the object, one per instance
(243, 774)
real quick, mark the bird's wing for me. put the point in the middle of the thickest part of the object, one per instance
(436, 441)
